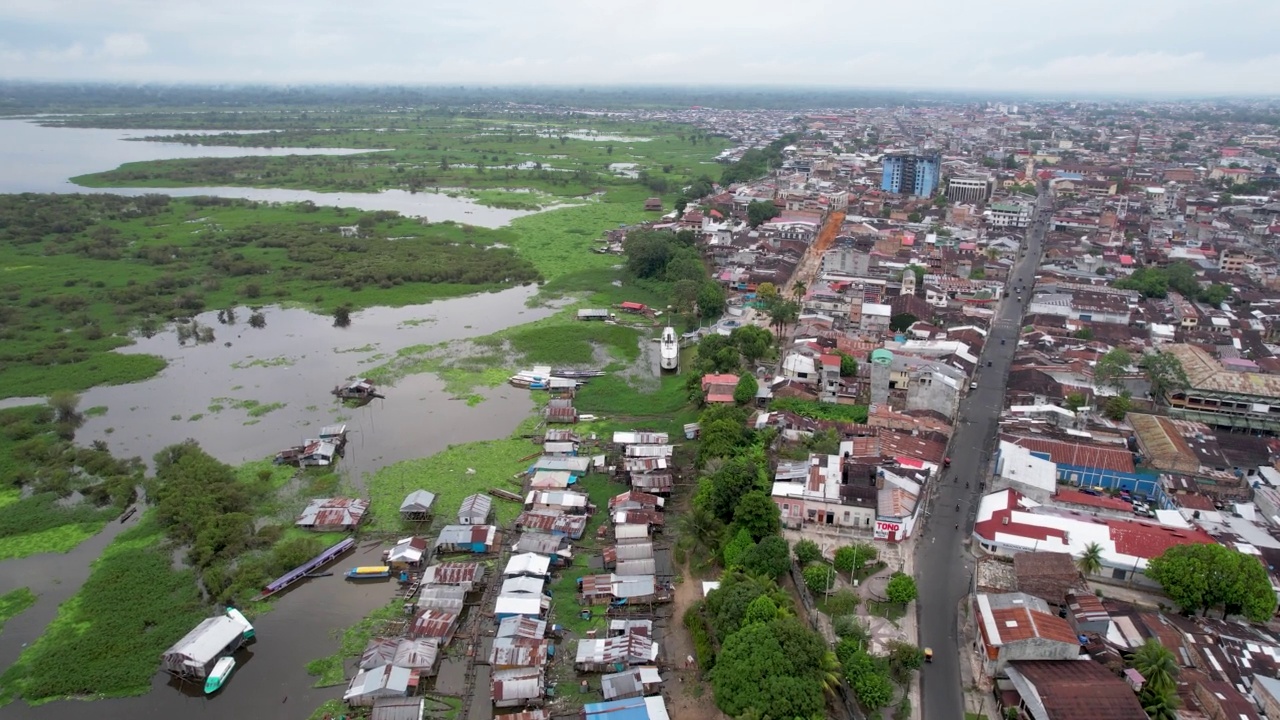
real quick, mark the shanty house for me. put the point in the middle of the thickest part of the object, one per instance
(333, 514)
(555, 547)
(639, 437)
(521, 605)
(552, 479)
(629, 533)
(408, 553)
(517, 652)
(636, 500)
(528, 564)
(633, 682)
(475, 509)
(417, 505)
(576, 465)
(523, 627)
(658, 481)
(557, 501)
(467, 538)
(614, 654)
(560, 410)
(617, 589)
(434, 624)
(552, 523)
(442, 597)
(417, 655)
(195, 654)
(379, 682)
(317, 453)
(405, 708)
(523, 584)
(465, 575)
(614, 554)
(517, 687)
(653, 204)
(597, 314)
(626, 626)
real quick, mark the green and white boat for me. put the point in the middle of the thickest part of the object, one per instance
(221, 671)
(239, 617)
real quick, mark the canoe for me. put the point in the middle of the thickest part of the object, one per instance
(218, 676)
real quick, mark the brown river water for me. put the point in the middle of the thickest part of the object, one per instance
(295, 361)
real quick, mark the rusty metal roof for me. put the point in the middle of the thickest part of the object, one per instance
(1204, 372)
(434, 623)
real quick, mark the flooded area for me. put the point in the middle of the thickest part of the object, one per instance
(246, 395)
(38, 158)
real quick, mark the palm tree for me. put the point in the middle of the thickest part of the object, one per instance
(1158, 667)
(797, 290)
(1090, 561)
(1159, 706)
(829, 675)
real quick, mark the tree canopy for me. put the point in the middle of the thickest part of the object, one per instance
(771, 668)
(1111, 367)
(1204, 576)
(760, 212)
(901, 589)
(1165, 372)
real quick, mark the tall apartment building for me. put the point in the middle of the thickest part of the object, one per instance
(969, 189)
(911, 174)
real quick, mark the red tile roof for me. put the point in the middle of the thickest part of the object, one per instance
(1147, 540)
(1017, 624)
(1076, 497)
(1064, 453)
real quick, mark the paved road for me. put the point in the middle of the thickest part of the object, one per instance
(942, 574)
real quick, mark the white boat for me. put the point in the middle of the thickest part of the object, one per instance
(239, 617)
(221, 671)
(670, 349)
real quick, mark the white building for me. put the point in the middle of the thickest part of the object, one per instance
(1018, 468)
(969, 189)
(1009, 214)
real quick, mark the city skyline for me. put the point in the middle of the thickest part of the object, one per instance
(1178, 48)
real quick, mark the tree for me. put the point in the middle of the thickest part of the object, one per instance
(1165, 372)
(1083, 333)
(1117, 407)
(65, 404)
(771, 668)
(901, 589)
(711, 300)
(342, 316)
(819, 577)
(761, 610)
(781, 313)
(752, 341)
(757, 513)
(848, 366)
(768, 558)
(721, 491)
(902, 321)
(851, 628)
(869, 678)
(1090, 561)
(914, 217)
(647, 253)
(1112, 366)
(1157, 665)
(737, 548)
(745, 392)
(1202, 576)
(852, 557)
(766, 290)
(760, 212)
(1075, 401)
(807, 552)
(903, 658)
(797, 290)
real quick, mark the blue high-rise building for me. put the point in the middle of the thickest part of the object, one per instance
(911, 174)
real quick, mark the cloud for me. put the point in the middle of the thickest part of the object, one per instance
(125, 45)
(1135, 46)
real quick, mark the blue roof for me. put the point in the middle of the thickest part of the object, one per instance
(629, 709)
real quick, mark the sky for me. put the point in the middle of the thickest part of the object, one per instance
(1170, 47)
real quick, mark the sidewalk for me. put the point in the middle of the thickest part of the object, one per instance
(974, 684)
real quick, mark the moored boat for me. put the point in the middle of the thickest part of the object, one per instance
(669, 349)
(219, 674)
(368, 571)
(239, 617)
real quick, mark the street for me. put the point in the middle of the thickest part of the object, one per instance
(942, 572)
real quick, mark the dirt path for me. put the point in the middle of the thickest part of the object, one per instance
(688, 696)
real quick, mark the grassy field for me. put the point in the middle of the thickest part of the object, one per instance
(79, 273)
(489, 156)
(14, 603)
(106, 639)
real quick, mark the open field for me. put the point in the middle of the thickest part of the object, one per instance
(79, 273)
(565, 158)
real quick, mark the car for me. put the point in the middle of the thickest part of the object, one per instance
(973, 386)
(946, 461)
(1002, 341)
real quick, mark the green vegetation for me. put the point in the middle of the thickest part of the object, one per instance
(14, 603)
(822, 411)
(1180, 277)
(484, 157)
(757, 161)
(105, 641)
(332, 670)
(1165, 372)
(447, 474)
(1204, 576)
(45, 470)
(84, 271)
(573, 344)
(1159, 668)
(901, 589)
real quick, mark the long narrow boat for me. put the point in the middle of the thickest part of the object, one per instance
(368, 571)
(218, 676)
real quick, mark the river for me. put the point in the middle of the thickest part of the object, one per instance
(39, 158)
(294, 361)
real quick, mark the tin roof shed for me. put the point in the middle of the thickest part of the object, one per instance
(528, 564)
(475, 509)
(418, 502)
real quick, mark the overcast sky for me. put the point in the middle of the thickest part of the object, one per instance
(1095, 46)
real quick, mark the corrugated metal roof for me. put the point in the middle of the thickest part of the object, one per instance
(454, 573)
(639, 566)
(393, 708)
(434, 623)
(420, 654)
(528, 564)
(631, 649)
(636, 499)
(333, 512)
(639, 708)
(204, 643)
(466, 535)
(639, 437)
(475, 507)
(523, 584)
(386, 679)
(522, 627)
(516, 684)
(519, 652)
(418, 501)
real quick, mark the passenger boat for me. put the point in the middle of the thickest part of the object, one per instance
(670, 349)
(368, 571)
(218, 676)
(239, 617)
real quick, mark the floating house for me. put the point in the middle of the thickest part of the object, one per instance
(521, 605)
(408, 553)
(467, 538)
(634, 682)
(465, 575)
(418, 655)
(518, 687)
(434, 624)
(555, 547)
(417, 505)
(517, 652)
(333, 514)
(553, 523)
(657, 482)
(636, 500)
(558, 501)
(528, 564)
(475, 509)
(560, 410)
(195, 654)
(576, 465)
(524, 627)
(358, 389)
(336, 434)
(379, 682)
(617, 589)
(523, 584)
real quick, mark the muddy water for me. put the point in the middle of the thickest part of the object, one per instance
(36, 158)
(295, 360)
